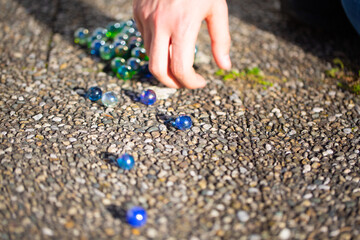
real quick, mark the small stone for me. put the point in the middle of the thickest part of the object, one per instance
(47, 231)
(57, 119)
(285, 234)
(317, 109)
(243, 216)
(37, 117)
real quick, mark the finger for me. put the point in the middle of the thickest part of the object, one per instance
(218, 26)
(159, 60)
(182, 60)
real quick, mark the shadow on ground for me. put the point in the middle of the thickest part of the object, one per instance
(338, 40)
(64, 16)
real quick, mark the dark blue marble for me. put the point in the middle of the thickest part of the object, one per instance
(182, 122)
(126, 161)
(94, 94)
(136, 216)
(148, 97)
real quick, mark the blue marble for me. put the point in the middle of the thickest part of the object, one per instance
(130, 31)
(136, 216)
(148, 97)
(80, 36)
(95, 47)
(134, 63)
(119, 42)
(134, 42)
(182, 122)
(94, 94)
(109, 99)
(144, 70)
(99, 32)
(121, 36)
(126, 161)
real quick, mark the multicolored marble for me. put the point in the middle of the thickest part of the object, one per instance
(134, 41)
(95, 47)
(122, 51)
(116, 63)
(139, 52)
(100, 32)
(134, 63)
(124, 72)
(94, 94)
(148, 97)
(144, 70)
(107, 52)
(80, 36)
(182, 122)
(109, 99)
(113, 29)
(126, 161)
(136, 216)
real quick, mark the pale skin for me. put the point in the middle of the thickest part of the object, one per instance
(170, 28)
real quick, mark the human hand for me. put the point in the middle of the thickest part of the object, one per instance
(170, 28)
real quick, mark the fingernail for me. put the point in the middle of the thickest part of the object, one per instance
(226, 62)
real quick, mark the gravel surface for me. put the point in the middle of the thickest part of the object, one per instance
(280, 162)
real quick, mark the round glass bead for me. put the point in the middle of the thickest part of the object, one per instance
(122, 51)
(95, 47)
(134, 42)
(121, 36)
(183, 122)
(100, 32)
(136, 216)
(124, 72)
(113, 29)
(80, 36)
(91, 39)
(119, 42)
(130, 31)
(94, 93)
(109, 99)
(116, 63)
(148, 97)
(107, 51)
(144, 70)
(134, 63)
(138, 52)
(126, 161)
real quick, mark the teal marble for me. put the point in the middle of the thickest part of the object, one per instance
(139, 52)
(113, 29)
(124, 72)
(116, 63)
(109, 99)
(95, 47)
(107, 52)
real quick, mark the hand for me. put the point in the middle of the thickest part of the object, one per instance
(170, 28)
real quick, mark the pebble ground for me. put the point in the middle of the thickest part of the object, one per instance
(280, 162)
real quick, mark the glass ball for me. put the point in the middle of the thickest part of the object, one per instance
(126, 161)
(124, 72)
(121, 36)
(119, 42)
(138, 52)
(94, 94)
(116, 63)
(95, 47)
(130, 31)
(101, 32)
(136, 216)
(183, 122)
(122, 51)
(113, 29)
(144, 70)
(134, 63)
(107, 51)
(80, 36)
(148, 97)
(134, 42)
(109, 99)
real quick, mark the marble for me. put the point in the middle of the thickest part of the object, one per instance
(107, 52)
(126, 161)
(116, 63)
(80, 36)
(136, 216)
(134, 63)
(134, 42)
(148, 97)
(109, 99)
(94, 94)
(113, 29)
(99, 32)
(122, 51)
(139, 52)
(182, 122)
(95, 47)
(124, 72)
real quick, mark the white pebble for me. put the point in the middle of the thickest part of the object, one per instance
(347, 130)
(37, 117)
(307, 168)
(243, 216)
(285, 234)
(56, 119)
(47, 231)
(317, 109)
